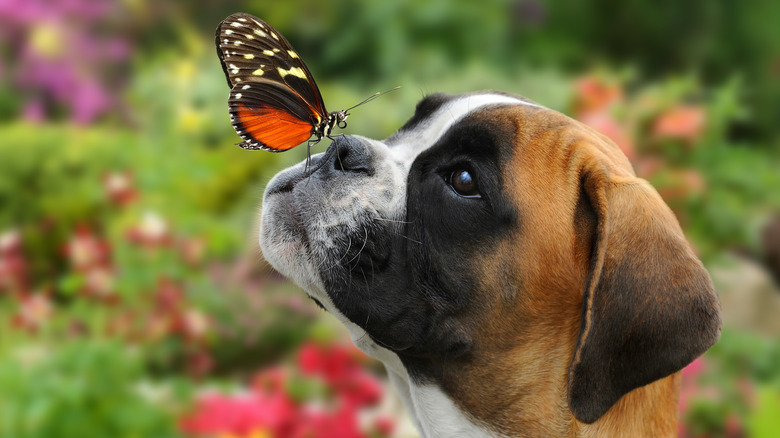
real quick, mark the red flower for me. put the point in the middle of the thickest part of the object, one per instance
(334, 364)
(340, 367)
(360, 389)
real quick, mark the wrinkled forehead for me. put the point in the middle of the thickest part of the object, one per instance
(435, 115)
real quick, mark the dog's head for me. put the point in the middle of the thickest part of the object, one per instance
(491, 230)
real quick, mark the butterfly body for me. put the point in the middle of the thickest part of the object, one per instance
(274, 102)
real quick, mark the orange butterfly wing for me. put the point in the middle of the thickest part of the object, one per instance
(269, 128)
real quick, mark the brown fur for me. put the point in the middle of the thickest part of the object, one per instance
(592, 235)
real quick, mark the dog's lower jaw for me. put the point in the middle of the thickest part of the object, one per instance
(432, 412)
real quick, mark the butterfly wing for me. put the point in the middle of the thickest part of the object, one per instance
(274, 100)
(268, 116)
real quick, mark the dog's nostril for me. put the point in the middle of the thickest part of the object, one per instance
(352, 156)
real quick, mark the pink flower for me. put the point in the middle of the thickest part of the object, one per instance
(85, 250)
(241, 415)
(342, 423)
(100, 282)
(34, 310)
(683, 122)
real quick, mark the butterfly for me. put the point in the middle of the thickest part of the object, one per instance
(274, 103)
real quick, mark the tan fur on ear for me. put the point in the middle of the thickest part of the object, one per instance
(649, 306)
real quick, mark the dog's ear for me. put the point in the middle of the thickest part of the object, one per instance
(649, 307)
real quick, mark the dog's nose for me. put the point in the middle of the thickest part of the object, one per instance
(352, 155)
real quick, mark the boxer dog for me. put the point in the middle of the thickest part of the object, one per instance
(505, 264)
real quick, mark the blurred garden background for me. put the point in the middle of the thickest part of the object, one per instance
(133, 299)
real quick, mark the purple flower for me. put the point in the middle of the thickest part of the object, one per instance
(64, 54)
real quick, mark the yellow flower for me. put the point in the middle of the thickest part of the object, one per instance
(257, 433)
(46, 40)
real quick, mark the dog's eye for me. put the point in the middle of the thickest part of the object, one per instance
(464, 183)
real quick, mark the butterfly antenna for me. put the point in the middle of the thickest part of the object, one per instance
(372, 97)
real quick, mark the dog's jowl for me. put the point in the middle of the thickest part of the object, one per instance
(505, 264)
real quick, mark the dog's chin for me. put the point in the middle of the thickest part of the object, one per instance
(283, 234)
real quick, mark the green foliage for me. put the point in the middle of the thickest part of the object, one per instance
(738, 198)
(80, 388)
(764, 421)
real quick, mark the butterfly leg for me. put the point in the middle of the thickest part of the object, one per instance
(309, 145)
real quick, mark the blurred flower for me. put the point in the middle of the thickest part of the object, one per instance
(269, 408)
(100, 282)
(193, 250)
(340, 366)
(34, 111)
(46, 39)
(86, 251)
(272, 379)
(334, 364)
(694, 369)
(169, 296)
(119, 188)
(682, 122)
(689, 382)
(151, 232)
(734, 427)
(384, 425)
(593, 94)
(190, 119)
(242, 415)
(13, 264)
(67, 53)
(33, 312)
(199, 363)
(593, 105)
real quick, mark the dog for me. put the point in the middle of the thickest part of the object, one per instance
(505, 264)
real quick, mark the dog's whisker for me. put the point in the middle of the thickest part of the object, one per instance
(396, 221)
(407, 238)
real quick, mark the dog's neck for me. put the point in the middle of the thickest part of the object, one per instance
(433, 413)
(647, 411)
